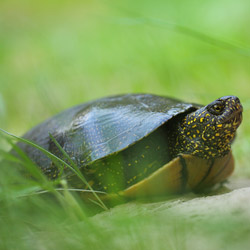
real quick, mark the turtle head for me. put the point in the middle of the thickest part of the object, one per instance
(209, 131)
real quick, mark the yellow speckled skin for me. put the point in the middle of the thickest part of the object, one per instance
(209, 131)
(141, 143)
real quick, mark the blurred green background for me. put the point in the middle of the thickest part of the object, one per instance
(56, 54)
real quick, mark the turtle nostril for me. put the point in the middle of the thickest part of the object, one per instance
(236, 100)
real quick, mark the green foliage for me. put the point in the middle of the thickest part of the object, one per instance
(56, 54)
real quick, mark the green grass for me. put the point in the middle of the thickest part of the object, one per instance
(56, 54)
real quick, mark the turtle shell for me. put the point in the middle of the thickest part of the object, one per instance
(96, 129)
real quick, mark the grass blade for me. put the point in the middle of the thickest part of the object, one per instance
(56, 159)
(77, 171)
(136, 19)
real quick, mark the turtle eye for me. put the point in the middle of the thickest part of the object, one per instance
(217, 108)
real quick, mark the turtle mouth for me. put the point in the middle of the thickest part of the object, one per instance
(232, 114)
(234, 120)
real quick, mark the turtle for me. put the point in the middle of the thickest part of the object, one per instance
(135, 145)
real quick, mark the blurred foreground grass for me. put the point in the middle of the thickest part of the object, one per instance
(55, 54)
